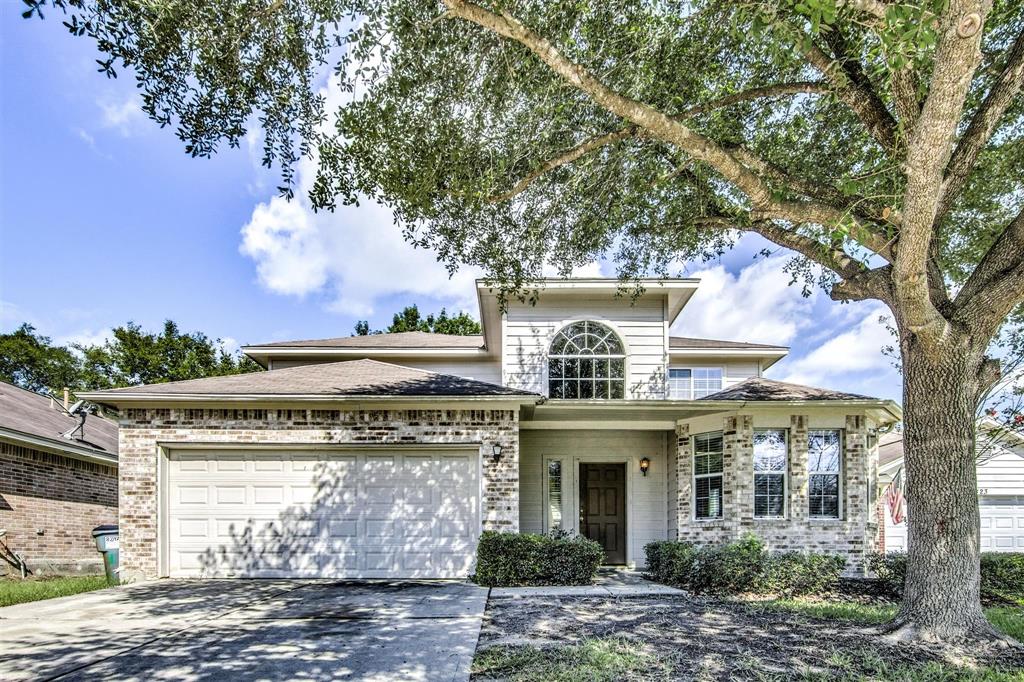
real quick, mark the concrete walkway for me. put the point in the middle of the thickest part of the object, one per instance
(247, 630)
(609, 583)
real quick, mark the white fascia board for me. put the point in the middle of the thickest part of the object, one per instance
(59, 447)
(888, 406)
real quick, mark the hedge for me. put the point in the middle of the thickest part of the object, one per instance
(514, 559)
(741, 567)
(1001, 572)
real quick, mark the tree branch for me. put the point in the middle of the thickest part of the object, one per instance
(996, 286)
(564, 159)
(852, 87)
(983, 125)
(832, 258)
(928, 152)
(594, 143)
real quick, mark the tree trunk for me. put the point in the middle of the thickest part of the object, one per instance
(941, 598)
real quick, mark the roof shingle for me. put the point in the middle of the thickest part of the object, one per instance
(759, 388)
(352, 378)
(30, 413)
(398, 340)
(685, 342)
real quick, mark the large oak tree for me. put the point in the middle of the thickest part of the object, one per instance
(878, 141)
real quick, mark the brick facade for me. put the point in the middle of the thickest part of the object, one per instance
(49, 505)
(142, 430)
(852, 535)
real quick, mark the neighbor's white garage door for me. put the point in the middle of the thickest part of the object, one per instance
(1002, 526)
(1002, 523)
(395, 514)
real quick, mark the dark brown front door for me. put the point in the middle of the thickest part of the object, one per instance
(603, 508)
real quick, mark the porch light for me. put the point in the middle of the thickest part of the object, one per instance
(496, 453)
(645, 464)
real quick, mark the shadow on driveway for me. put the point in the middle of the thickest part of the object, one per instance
(247, 629)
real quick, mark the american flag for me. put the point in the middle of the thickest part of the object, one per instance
(895, 501)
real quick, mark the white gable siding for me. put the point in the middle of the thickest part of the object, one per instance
(1003, 474)
(530, 329)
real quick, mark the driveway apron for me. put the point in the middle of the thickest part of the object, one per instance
(247, 630)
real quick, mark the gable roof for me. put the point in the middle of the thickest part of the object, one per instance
(684, 342)
(348, 379)
(28, 419)
(398, 340)
(761, 389)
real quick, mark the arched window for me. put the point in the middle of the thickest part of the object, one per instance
(586, 360)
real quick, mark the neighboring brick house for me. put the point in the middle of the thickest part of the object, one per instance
(384, 456)
(58, 481)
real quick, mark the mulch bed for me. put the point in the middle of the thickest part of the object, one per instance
(706, 638)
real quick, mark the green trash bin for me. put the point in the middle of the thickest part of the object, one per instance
(108, 543)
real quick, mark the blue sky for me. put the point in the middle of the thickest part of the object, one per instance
(104, 219)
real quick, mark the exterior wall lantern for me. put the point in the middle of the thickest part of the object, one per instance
(496, 453)
(645, 464)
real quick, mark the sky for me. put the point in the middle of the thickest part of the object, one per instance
(105, 219)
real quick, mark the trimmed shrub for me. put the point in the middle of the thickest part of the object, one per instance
(514, 559)
(1002, 573)
(742, 566)
(670, 562)
(793, 573)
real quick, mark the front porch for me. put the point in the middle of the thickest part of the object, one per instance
(624, 475)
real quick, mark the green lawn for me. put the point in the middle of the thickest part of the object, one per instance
(1007, 619)
(15, 591)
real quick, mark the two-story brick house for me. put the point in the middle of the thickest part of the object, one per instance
(386, 455)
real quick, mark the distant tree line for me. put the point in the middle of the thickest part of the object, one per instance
(410, 320)
(130, 357)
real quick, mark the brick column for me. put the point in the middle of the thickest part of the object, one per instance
(857, 478)
(684, 480)
(738, 482)
(798, 504)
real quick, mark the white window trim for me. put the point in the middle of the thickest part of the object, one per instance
(547, 527)
(668, 379)
(785, 479)
(625, 357)
(841, 473)
(694, 476)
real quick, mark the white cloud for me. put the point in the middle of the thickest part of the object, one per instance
(856, 351)
(756, 305)
(125, 116)
(355, 255)
(85, 337)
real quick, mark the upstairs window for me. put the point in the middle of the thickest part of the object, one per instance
(586, 360)
(693, 382)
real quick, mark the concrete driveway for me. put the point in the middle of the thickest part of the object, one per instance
(247, 630)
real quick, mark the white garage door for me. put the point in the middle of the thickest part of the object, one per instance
(395, 514)
(1002, 523)
(1002, 526)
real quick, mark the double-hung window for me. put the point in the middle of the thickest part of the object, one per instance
(824, 465)
(694, 382)
(707, 475)
(770, 455)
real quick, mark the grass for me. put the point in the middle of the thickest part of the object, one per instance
(613, 658)
(15, 591)
(1007, 619)
(595, 660)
